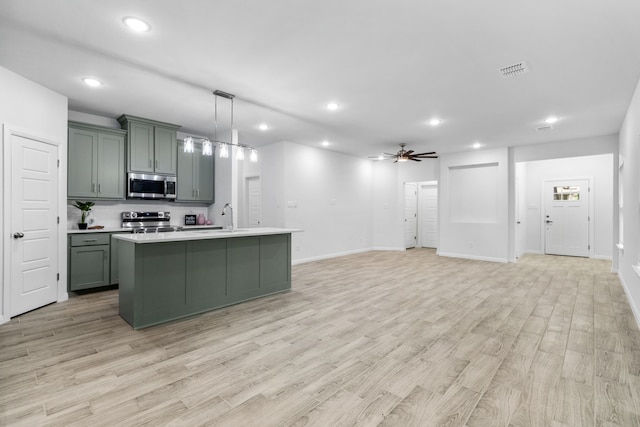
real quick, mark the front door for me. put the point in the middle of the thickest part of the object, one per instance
(33, 246)
(566, 218)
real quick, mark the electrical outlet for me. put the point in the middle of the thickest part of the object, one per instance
(471, 245)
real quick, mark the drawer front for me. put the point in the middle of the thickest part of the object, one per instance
(90, 239)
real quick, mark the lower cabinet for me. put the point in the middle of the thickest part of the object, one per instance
(89, 256)
(92, 261)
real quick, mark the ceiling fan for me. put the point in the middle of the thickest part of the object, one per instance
(403, 155)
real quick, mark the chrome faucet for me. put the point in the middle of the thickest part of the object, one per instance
(228, 205)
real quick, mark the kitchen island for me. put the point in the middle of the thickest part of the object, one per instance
(168, 276)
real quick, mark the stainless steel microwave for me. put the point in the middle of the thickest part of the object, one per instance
(143, 186)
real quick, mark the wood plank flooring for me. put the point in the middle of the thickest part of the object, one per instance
(380, 338)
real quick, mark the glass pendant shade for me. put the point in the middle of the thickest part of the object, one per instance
(253, 157)
(188, 145)
(207, 148)
(240, 153)
(224, 151)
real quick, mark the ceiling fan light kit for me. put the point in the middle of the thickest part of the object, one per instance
(403, 155)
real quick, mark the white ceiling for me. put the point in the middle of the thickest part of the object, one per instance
(392, 65)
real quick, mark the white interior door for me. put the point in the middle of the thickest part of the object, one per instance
(33, 246)
(410, 214)
(428, 215)
(566, 220)
(254, 194)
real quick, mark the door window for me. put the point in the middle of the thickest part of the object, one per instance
(566, 192)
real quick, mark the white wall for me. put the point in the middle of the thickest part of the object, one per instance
(474, 205)
(38, 111)
(598, 167)
(629, 258)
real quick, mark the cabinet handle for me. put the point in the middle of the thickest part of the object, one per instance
(156, 164)
(90, 240)
(93, 187)
(99, 188)
(198, 192)
(149, 162)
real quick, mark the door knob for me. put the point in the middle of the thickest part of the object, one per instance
(18, 235)
(548, 221)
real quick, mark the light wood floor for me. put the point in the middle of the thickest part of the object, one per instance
(391, 339)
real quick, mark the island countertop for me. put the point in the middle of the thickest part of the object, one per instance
(202, 234)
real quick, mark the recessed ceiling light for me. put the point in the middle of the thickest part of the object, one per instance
(325, 143)
(476, 145)
(263, 126)
(333, 106)
(551, 120)
(435, 121)
(136, 24)
(91, 82)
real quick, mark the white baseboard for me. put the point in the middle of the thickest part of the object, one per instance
(533, 252)
(473, 257)
(4, 319)
(607, 257)
(63, 297)
(328, 256)
(634, 308)
(382, 248)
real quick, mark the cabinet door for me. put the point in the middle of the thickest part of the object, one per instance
(88, 267)
(83, 154)
(110, 166)
(141, 147)
(204, 178)
(166, 147)
(186, 188)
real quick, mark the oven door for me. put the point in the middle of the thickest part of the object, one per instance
(142, 186)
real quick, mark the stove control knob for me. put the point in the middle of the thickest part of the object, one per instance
(126, 215)
(134, 214)
(160, 214)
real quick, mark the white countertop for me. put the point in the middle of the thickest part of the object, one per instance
(201, 234)
(128, 230)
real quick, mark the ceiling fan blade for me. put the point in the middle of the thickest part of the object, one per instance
(414, 159)
(424, 154)
(408, 153)
(395, 161)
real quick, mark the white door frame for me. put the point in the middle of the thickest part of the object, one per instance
(591, 208)
(7, 132)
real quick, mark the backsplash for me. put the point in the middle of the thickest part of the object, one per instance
(108, 214)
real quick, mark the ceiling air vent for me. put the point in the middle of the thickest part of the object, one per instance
(514, 69)
(543, 128)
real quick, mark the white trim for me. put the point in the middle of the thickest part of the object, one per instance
(7, 132)
(473, 257)
(328, 256)
(530, 251)
(634, 308)
(620, 246)
(389, 248)
(606, 257)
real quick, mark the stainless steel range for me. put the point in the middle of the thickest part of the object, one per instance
(148, 222)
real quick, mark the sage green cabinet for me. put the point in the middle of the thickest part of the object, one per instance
(114, 271)
(195, 176)
(95, 162)
(151, 145)
(164, 281)
(88, 261)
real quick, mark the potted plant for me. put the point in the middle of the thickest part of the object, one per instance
(85, 208)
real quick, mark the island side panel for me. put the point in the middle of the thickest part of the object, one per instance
(275, 263)
(207, 274)
(126, 287)
(163, 290)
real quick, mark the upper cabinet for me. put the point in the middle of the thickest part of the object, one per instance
(95, 162)
(152, 146)
(195, 176)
